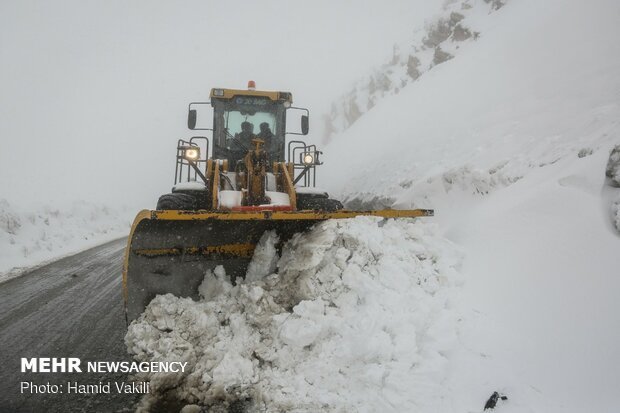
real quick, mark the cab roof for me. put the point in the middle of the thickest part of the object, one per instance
(220, 93)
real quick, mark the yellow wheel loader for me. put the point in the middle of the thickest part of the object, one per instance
(228, 190)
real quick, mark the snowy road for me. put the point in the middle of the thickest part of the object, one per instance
(69, 308)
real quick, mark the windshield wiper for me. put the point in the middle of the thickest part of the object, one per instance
(235, 140)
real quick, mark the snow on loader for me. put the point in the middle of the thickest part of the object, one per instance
(221, 205)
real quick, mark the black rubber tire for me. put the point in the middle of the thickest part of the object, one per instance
(202, 198)
(331, 205)
(317, 202)
(177, 201)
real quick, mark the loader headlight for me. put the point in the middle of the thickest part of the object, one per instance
(308, 159)
(191, 154)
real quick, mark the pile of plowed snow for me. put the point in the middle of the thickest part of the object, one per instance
(357, 317)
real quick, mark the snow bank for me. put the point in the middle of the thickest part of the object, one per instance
(358, 318)
(29, 237)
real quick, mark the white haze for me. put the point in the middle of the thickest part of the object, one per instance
(94, 94)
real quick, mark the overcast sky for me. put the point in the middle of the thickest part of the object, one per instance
(94, 93)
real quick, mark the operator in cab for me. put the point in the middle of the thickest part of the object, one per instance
(246, 135)
(270, 141)
(265, 134)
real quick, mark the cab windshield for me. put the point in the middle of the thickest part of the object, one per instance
(239, 119)
(252, 110)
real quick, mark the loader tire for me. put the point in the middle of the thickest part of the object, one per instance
(331, 205)
(317, 202)
(202, 199)
(177, 201)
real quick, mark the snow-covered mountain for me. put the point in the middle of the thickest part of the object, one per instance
(459, 23)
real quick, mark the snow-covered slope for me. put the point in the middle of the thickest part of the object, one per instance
(458, 24)
(508, 142)
(541, 84)
(540, 310)
(31, 236)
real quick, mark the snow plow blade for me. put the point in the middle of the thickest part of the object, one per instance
(170, 251)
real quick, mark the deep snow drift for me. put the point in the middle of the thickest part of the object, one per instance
(31, 236)
(359, 317)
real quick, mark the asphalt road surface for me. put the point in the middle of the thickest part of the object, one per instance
(69, 308)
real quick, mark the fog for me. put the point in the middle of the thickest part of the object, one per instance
(94, 94)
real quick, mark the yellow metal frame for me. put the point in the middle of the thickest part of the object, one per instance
(216, 186)
(288, 186)
(173, 215)
(231, 93)
(142, 215)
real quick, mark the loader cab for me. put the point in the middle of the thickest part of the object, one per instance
(240, 115)
(239, 118)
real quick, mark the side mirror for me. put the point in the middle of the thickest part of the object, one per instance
(305, 124)
(191, 119)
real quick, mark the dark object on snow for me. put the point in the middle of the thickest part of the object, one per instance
(583, 152)
(492, 402)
